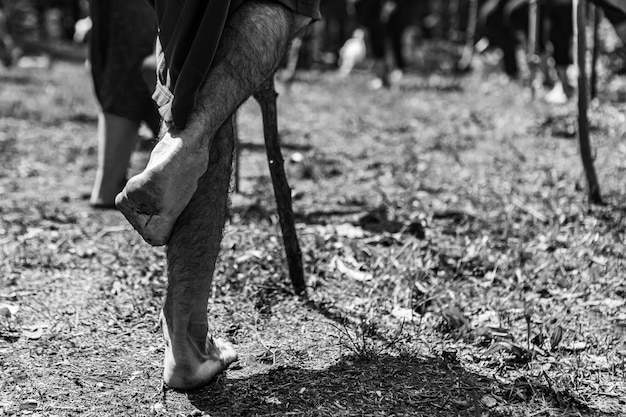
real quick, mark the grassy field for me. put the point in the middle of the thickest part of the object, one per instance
(454, 266)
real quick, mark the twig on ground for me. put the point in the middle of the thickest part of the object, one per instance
(112, 229)
(529, 210)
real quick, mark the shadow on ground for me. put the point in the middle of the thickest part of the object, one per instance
(384, 385)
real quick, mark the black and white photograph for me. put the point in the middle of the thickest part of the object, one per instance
(313, 208)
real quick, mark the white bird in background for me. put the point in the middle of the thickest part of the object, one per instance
(82, 28)
(352, 52)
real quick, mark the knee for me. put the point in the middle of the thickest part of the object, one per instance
(289, 22)
(264, 29)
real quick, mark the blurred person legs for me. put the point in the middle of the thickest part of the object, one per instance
(561, 33)
(557, 18)
(492, 25)
(555, 28)
(401, 17)
(385, 22)
(334, 29)
(369, 14)
(122, 35)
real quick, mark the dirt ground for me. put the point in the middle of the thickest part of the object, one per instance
(453, 263)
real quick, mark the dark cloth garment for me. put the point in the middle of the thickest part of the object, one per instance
(123, 34)
(335, 28)
(400, 19)
(499, 20)
(504, 20)
(369, 15)
(560, 23)
(189, 34)
(493, 25)
(556, 25)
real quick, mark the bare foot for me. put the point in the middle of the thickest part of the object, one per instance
(152, 200)
(188, 366)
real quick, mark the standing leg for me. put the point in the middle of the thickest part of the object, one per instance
(253, 44)
(192, 356)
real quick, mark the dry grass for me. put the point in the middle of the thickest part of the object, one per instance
(446, 240)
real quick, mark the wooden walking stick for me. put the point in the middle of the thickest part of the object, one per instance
(583, 102)
(266, 97)
(597, 17)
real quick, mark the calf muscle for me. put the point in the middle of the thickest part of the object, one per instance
(195, 241)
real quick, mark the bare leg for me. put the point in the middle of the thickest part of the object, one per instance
(192, 357)
(255, 39)
(117, 137)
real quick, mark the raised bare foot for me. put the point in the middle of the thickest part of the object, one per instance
(152, 200)
(191, 367)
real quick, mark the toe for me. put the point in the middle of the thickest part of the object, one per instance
(225, 352)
